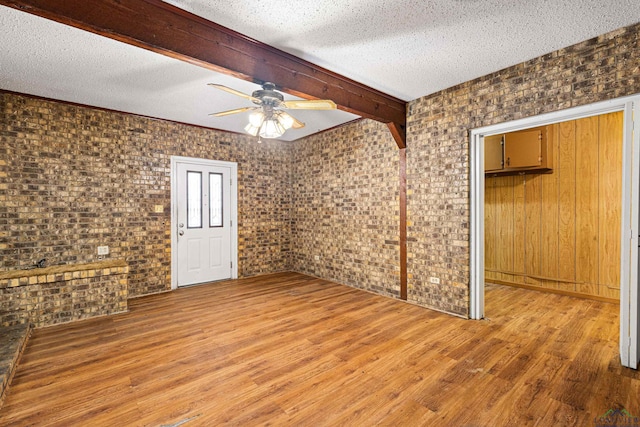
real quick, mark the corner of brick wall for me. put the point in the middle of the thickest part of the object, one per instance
(346, 207)
(438, 204)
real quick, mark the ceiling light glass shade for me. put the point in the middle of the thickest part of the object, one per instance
(284, 119)
(271, 128)
(270, 125)
(251, 129)
(256, 118)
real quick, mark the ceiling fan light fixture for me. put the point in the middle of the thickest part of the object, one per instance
(256, 118)
(251, 129)
(285, 120)
(267, 126)
(268, 120)
(271, 128)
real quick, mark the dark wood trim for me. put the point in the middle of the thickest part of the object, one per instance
(399, 134)
(403, 223)
(163, 28)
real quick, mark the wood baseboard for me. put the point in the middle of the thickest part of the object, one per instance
(554, 291)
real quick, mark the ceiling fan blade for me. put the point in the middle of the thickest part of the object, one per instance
(234, 92)
(297, 124)
(311, 104)
(234, 111)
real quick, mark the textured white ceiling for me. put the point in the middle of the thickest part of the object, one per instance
(404, 48)
(412, 48)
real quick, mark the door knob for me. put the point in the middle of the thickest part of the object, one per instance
(181, 232)
(181, 225)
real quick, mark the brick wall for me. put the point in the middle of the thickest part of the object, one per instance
(73, 178)
(346, 207)
(438, 209)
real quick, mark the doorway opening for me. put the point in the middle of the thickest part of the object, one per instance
(628, 232)
(553, 210)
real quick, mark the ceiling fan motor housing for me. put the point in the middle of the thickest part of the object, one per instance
(268, 95)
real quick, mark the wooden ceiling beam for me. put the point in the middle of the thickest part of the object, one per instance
(168, 30)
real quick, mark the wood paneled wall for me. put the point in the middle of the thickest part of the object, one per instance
(561, 231)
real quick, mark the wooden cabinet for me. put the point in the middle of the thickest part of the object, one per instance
(520, 152)
(493, 153)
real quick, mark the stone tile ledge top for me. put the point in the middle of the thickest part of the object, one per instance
(13, 340)
(65, 268)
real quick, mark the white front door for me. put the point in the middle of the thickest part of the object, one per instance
(203, 223)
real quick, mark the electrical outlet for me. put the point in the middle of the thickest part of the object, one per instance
(158, 208)
(317, 257)
(103, 250)
(434, 280)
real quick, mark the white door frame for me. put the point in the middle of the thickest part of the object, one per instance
(629, 301)
(174, 211)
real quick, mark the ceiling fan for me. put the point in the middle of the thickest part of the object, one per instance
(268, 118)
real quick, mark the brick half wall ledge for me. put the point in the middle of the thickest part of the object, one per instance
(63, 293)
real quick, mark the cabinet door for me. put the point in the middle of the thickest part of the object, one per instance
(493, 153)
(523, 149)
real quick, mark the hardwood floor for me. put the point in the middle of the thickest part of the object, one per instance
(288, 349)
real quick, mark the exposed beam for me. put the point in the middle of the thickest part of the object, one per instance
(168, 30)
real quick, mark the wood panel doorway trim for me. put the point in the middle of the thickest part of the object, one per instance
(233, 166)
(630, 226)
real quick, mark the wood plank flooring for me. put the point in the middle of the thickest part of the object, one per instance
(288, 349)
